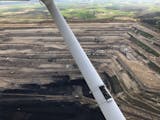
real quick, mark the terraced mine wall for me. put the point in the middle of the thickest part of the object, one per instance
(40, 80)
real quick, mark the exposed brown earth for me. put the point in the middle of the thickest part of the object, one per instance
(35, 65)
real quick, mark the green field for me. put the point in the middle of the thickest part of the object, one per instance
(79, 13)
(107, 11)
(94, 12)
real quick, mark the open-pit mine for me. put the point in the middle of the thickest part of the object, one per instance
(39, 80)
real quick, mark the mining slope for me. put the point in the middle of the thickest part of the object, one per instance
(40, 80)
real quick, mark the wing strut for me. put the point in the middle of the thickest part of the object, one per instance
(104, 99)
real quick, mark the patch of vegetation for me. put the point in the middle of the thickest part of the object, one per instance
(83, 14)
(70, 11)
(151, 18)
(25, 13)
(140, 54)
(145, 47)
(147, 35)
(75, 10)
(154, 67)
(93, 13)
(155, 22)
